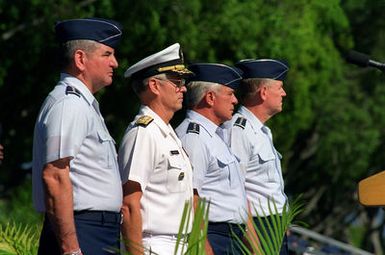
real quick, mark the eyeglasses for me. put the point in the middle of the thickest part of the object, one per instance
(177, 83)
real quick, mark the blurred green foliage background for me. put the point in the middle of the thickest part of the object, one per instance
(331, 131)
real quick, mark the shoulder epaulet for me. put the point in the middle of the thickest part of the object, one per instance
(144, 120)
(240, 122)
(72, 91)
(193, 128)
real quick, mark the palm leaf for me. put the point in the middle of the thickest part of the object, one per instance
(270, 244)
(198, 234)
(183, 227)
(18, 239)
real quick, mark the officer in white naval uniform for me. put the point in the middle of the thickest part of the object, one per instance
(260, 94)
(76, 179)
(216, 175)
(156, 171)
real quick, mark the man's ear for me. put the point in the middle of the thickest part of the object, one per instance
(263, 93)
(80, 59)
(154, 85)
(210, 98)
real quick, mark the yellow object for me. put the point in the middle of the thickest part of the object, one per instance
(144, 120)
(175, 68)
(371, 190)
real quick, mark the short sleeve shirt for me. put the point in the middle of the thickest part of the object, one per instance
(69, 124)
(216, 172)
(152, 155)
(252, 142)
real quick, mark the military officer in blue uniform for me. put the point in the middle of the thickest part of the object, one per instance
(76, 180)
(216, 174)
(156, 171)
(260, 93)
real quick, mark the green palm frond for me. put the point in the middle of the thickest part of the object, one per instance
(197, 237)
(18, 239)
(271, 233)
(183, 227)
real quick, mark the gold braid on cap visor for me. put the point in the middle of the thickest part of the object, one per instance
(175, 68)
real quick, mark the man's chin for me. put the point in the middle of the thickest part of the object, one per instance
(107, 84)
(226, 118)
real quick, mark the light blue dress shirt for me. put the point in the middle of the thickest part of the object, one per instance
(71, 125)
(216, 171)
(252, 142)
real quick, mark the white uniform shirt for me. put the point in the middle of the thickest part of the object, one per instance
(252, 142)
(216, 172)
(70, 125)
(153, 156)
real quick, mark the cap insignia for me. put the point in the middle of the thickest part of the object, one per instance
(174, 68)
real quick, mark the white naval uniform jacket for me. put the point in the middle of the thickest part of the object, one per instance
(152, 155)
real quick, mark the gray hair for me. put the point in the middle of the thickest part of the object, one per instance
(138, 85)
(70, 47)
(249, 87)
(196, 90)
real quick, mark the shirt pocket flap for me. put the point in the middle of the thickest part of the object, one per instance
(174, 162)
(224, 160)
(104, 136)
(266, 155)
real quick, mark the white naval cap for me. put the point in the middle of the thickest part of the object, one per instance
(169, 60)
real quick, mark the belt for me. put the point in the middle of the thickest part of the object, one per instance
(171, 236)
(226, 227)
(99, 216)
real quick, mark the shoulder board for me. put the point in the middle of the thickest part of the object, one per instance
(72, 91)
(144, 120)
(193, 128)
(240, 122)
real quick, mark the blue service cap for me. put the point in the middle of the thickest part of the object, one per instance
(263, 68)
(103, 31)
(216, 73)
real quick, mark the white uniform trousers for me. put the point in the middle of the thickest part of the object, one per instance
(162, 244)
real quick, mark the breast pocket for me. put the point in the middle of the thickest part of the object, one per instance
(227, 166)
(267, 165)
(108, 154)
(176, 175)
